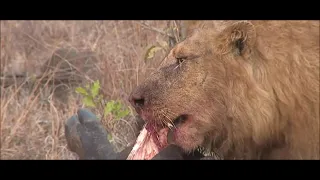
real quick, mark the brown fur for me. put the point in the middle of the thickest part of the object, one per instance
(255, 100)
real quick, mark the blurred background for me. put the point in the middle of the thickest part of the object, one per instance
(49, 69)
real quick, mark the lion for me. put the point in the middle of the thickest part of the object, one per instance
(242, 89)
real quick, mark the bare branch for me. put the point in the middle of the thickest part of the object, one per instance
(154, 29)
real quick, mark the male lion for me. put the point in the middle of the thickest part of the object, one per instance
(244, 89)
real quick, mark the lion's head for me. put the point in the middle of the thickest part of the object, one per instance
(214, 90)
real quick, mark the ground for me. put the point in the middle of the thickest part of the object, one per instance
(32, 116)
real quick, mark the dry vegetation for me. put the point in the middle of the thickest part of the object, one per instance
(32, 116)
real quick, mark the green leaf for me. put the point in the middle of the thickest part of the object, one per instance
(117, 106)
(33, 77)
(163, 44)
(88, 101)
(108, 108)
(127, 111)
(95, 88)
(82, 91)
(151, 52)
(100, 97)
(99, 117)
(109, 137)
(122, 114)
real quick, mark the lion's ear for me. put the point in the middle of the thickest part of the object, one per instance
(238, 38)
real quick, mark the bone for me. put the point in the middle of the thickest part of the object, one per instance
(144, 148)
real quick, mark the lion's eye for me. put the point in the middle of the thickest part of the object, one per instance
(180, 60)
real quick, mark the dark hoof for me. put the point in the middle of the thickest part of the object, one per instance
(87, 138)
(172, 152)
(73, 136)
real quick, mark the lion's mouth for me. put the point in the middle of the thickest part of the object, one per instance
(164, 134)
(156, 136)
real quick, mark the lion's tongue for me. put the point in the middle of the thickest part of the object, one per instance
(147, 145)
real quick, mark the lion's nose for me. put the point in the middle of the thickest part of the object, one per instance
(137, 100)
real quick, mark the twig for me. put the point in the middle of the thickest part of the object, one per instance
(9, 81)
(177, 37)
(154, 29)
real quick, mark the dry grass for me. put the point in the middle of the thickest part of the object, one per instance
(31, 118)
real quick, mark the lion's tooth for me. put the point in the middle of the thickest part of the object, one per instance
(170, 125)
(170, 137)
